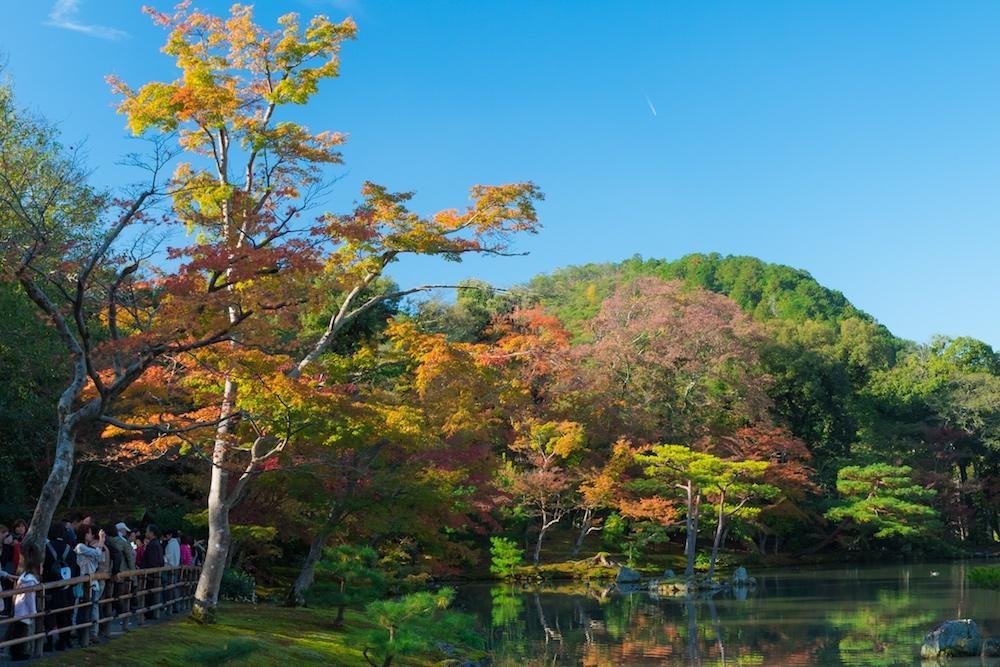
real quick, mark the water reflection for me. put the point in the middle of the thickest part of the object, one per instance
(845, 616)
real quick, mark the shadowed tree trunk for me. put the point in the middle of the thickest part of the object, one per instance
(307, 574)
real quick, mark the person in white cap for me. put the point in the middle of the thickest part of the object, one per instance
(122, 560)
(125, 556)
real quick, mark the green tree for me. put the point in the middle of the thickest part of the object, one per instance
(883, 501)
(31, 370)
(505, 557)
(355, 575)
(732, 487)
(414, 623)
(677, 472)
(939, 410)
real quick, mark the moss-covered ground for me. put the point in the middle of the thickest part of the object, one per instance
(244, 635)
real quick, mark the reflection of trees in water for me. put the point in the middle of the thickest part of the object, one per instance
(855, 617)
(554, 629)
(876, 632)
(506, 605)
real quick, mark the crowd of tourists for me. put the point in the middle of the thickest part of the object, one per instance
(76, 547)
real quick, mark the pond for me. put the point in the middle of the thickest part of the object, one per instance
(848, 615)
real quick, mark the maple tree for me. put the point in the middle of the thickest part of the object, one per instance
(408, 449)
(536, 477)
(245, 192)
(602, 488)
(675, 363)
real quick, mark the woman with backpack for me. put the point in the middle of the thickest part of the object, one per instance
(60, 565)
(92, 557)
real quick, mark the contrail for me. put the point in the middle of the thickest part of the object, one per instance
(652, 109)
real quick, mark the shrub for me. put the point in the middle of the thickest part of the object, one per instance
(505, 557)
(987, 576)
(238, 586)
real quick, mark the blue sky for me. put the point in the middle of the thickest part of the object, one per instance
(857, 140)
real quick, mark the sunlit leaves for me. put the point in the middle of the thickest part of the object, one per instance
(884, 500)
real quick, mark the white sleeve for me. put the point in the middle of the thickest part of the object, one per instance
(82, 548)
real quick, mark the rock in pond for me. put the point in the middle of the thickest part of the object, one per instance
(668, 574)
(953, 639)
(627, 575)
(991, 648)
(659, 588)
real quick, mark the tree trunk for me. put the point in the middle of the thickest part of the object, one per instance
(210, 580)
(387, 662)
(538, 543)
(585, 526)
(206, 597)
(691, 524)
(297, 595)
(826, 540)
(339, 621)
(52, 491)
(719, 528)
(969, 518)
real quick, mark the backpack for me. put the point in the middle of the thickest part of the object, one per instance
(64, 570)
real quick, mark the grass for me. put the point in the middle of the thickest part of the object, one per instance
(986, 576)
(244, 635)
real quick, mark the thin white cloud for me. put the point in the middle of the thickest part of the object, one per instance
(652, 109)
(66, 14)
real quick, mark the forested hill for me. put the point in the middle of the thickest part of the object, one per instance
(837, 379)
(766, 291)
(819, 351)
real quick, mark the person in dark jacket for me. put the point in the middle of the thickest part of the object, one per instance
(8, 566)
(152, 557)
(59, 564)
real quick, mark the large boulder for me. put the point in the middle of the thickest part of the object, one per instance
(740, 576)
(627, 575)
(953, 639)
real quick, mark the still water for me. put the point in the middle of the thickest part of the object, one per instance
(850, 615)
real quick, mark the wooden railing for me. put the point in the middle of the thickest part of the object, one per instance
(131, 597)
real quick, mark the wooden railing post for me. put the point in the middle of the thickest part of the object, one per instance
(83, 608)
(39, 644)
